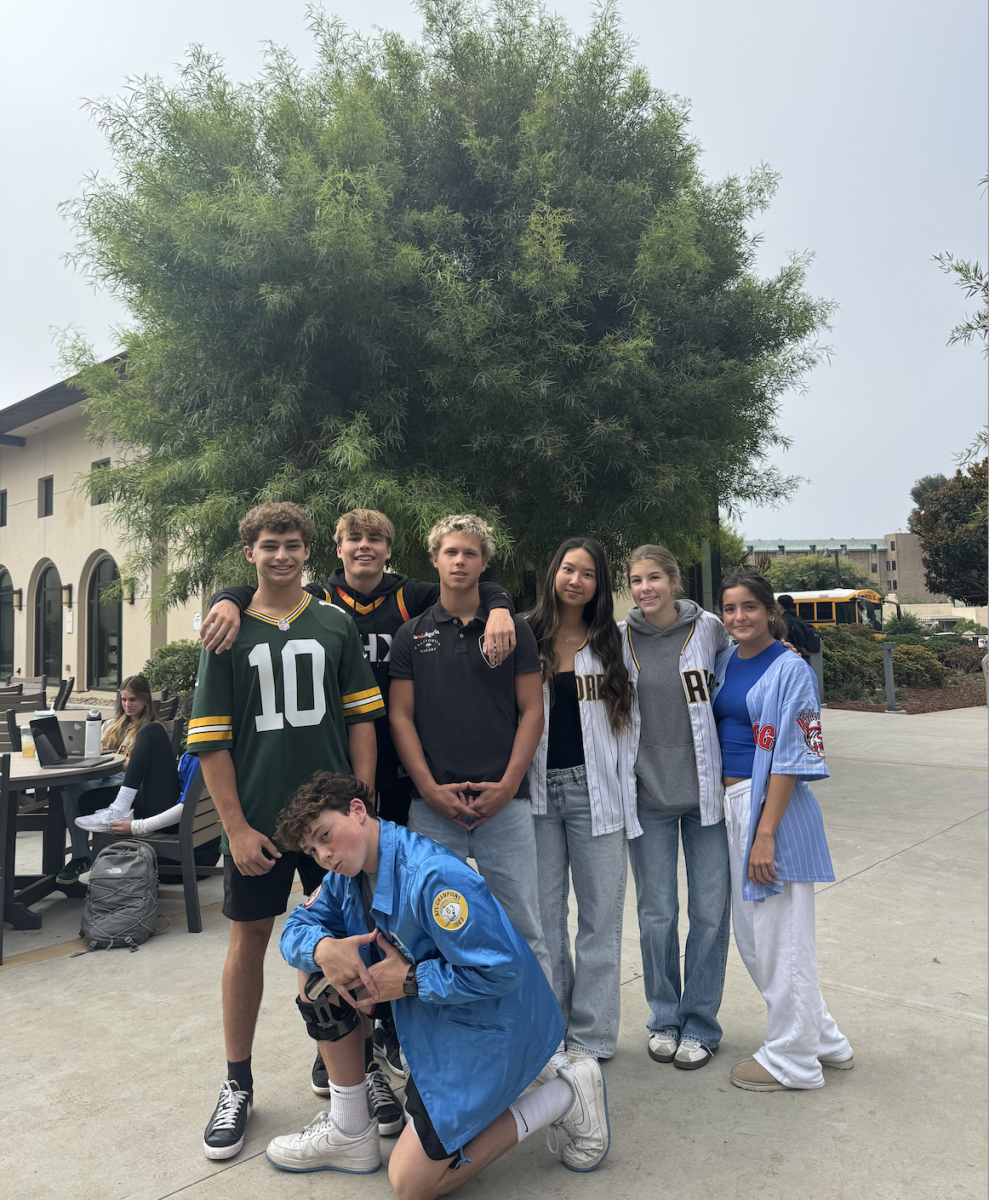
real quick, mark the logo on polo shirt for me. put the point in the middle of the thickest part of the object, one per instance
(426, 643)
(450, 910)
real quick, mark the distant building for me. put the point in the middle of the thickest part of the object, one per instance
(59, 553)
(894, 560)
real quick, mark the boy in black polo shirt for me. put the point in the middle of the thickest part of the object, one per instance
(466, 731)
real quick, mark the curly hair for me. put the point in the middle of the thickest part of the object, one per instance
(762, 590)
(462, 523)
(326, 791)
(278, 518)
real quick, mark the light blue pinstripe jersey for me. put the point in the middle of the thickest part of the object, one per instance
(786, 722)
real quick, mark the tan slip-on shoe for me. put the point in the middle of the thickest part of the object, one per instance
(751, 1076)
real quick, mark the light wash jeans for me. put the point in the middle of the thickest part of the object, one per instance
(504, 849)
(589, 991)
(79, 838)
(692, 1013)
(776, 940)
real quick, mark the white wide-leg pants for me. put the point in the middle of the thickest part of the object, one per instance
(776, 940)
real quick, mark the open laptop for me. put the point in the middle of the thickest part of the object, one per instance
(51, 748)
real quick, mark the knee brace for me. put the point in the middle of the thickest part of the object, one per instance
(326, 1021)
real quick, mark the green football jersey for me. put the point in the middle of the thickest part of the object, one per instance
(280, 701)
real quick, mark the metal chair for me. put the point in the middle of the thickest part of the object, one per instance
(64, 692)
(6, 852)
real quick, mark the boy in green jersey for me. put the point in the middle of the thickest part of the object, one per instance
(295, 695)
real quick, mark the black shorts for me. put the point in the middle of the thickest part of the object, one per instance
(424, 1128)
(254, 897)
(394, 802)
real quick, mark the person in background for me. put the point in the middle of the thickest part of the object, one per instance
(134, 712)
(582, 783)
(803, 637)
(769, 727)
(671, 645)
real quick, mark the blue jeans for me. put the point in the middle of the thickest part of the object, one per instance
(79, 838)
(692, 1013)
(504, 849)
(590, 991)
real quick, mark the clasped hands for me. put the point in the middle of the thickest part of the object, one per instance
(469, 804)
(340, 961)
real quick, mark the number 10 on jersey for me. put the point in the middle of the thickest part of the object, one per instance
(270, 717)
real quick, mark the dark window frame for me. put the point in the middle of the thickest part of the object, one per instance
(46, 496)
(94, 500)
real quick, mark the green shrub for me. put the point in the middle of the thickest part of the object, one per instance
(965, 659)
(909, 639)
(859, 631)
(173, 667)
(907, 623)
(913, 666)
(942, 646)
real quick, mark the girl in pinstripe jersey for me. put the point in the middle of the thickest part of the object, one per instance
(582, 784)
(769, 726)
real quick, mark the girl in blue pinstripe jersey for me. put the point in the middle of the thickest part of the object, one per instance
(769, 726)
(582, 784)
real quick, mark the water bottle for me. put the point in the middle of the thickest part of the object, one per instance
(94, 728)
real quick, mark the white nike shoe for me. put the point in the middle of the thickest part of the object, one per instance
(321, 1146)
(585, 1125)
(100, 822)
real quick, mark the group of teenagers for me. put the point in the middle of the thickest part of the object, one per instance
(376, 733)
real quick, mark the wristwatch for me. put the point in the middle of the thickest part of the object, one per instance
(411, 985)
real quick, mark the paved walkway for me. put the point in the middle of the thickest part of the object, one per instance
(110, 1063)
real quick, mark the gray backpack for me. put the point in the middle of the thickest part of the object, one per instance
(121, 907)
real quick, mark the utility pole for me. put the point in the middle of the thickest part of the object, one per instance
(837, 569)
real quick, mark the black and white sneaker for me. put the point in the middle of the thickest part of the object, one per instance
(225, 1132)
(389, 1053)
(382, 1102)
(320, 1079)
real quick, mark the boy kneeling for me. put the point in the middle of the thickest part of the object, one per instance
(401, 918)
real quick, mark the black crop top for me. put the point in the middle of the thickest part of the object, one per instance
(566, 743)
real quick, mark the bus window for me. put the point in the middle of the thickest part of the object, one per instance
(824, 612)
(805, 610)
(844, 611)
(869, 614)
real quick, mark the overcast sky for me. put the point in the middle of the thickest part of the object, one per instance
(873, 111)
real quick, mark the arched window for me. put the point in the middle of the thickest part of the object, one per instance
(103, 623)
(6, 625)
(48, 624)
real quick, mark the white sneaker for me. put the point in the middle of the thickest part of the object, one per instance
(321, 1146)
(839, 1064)
(663, 1047)
(691, 1055)
(586, 1125)
(100, 822)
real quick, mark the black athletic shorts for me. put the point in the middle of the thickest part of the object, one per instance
(394, 802)
(424, 1128)
(254, 897)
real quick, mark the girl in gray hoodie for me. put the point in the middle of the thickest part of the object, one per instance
(670, 648)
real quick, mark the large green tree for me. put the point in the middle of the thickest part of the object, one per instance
(815, 572)
(952, 526)
(480, 272)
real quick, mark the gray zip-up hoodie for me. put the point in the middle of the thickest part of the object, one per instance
(666, 766)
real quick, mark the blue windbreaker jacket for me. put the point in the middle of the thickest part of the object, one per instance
(485, 1021)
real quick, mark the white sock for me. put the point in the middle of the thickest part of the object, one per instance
(349, 1107)
(123, 803)
(542, 1106)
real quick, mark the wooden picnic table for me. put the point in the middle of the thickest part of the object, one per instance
(44, 813)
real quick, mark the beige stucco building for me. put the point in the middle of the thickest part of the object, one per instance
(58, 553)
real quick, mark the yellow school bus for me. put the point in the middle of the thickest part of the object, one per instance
(840, 606)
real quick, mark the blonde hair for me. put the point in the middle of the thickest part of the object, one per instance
(462, 523)
(364, 520)
(661, 557)
(119, 735)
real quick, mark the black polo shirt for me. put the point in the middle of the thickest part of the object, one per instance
(465, 712)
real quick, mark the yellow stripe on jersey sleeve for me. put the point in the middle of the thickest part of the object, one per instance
(369, 700)
(209, 729)
(371, 706)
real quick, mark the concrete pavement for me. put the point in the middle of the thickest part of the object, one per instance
(110, 1063)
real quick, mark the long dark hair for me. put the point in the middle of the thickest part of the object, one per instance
(762, 589)
(602, 632)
